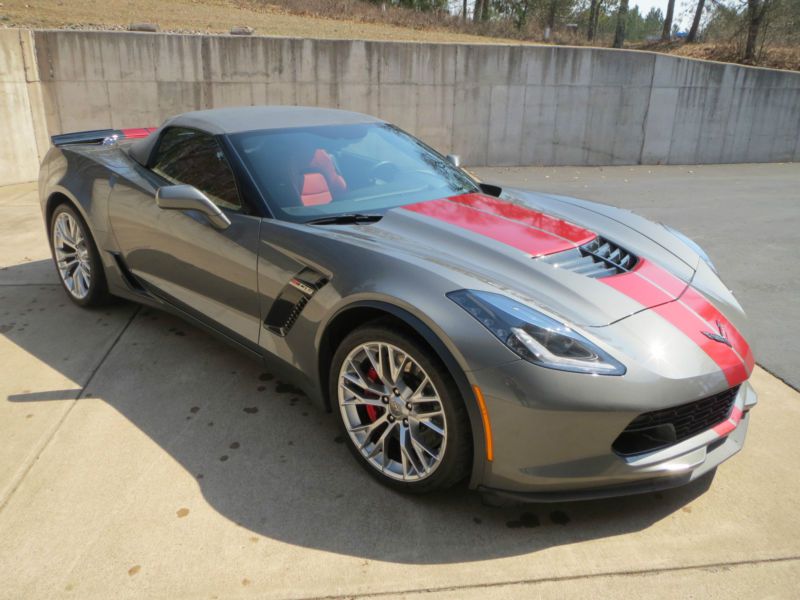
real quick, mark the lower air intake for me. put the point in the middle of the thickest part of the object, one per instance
(661, 428)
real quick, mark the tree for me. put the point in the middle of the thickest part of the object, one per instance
(425, 5)
(552, 12)
(698, 14)
(594, 15)
(666, 32)
(419, 5)
(622, 16)
(591, 29)
(517, 11)
(756, 11)
(653, 23)
(481, 10)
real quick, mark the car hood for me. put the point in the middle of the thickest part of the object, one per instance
(519, 245)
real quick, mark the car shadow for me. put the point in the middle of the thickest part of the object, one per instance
(269, 461)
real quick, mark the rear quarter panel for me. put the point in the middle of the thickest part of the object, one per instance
(82, 174)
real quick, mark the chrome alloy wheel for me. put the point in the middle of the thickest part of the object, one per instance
(392, 411)
(72, 255)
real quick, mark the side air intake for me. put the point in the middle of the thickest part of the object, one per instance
(292, 300)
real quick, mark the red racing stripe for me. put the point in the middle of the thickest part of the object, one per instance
(660, 278)
(518, 235)
(563, 229)
(697, 302)
(641, 288)
(690, 312)
(730, 423)
(692, 326)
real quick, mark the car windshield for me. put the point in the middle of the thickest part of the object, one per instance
(314, 172)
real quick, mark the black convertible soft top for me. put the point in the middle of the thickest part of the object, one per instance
(220, 121)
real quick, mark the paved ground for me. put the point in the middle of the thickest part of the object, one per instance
(747, 217)
(141, 458)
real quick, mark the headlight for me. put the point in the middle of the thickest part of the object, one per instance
(693, 245)
(534, 336)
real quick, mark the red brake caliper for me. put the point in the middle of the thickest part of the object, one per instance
(372, 411)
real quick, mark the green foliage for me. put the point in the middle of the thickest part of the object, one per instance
(653, 23)
(637, 27)
(783, 22)
(543, 13)
(421, 5)
(724, 21)
(728, 19)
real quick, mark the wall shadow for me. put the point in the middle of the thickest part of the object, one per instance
(269, 461)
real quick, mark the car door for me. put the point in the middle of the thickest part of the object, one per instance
(177, 254)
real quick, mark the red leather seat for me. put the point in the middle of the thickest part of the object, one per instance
(323, 163)
(315, 190)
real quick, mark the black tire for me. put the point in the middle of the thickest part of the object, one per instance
(455, 463)
(98, 294)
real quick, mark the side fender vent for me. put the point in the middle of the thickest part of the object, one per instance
(127, 276)
(292, 300)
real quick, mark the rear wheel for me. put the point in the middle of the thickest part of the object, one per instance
(401, 411)
(76, 257)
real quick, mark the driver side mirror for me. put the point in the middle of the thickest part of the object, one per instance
(454, 159)
(188, 197)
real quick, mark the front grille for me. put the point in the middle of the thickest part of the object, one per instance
(599, 258)
(660, 428)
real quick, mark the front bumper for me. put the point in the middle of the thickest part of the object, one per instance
(553, 444)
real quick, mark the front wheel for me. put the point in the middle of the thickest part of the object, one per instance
(403, 416)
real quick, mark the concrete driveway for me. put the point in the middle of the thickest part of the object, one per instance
(140, 457)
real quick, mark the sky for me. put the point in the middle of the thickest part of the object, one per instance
(682, 9)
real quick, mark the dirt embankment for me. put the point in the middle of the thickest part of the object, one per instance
(213, 16)
(330, 19)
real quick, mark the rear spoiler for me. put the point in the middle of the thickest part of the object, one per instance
(100, 136)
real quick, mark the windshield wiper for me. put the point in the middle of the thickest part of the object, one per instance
(345, 219)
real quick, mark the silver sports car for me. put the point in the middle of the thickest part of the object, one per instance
(547, 348)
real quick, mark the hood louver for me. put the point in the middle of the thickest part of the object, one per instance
(599, 258)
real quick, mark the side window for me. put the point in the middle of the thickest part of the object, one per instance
(195, 158)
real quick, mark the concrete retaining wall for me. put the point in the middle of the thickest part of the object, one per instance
(21, 116)
(494, 105)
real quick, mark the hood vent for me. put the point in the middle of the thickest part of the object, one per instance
(599, 258)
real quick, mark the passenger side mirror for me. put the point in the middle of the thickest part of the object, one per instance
(454, 160)
(188, 197)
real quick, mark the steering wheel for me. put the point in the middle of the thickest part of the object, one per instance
(384, 171)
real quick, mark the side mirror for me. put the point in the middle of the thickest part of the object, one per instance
(454, 160)
(188, 197)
